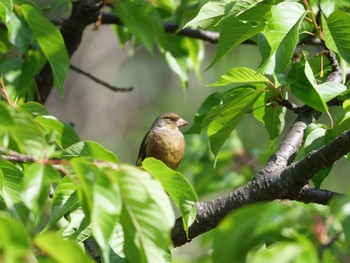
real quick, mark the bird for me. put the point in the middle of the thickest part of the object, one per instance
(164, 141)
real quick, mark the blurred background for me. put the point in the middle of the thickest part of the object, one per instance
(119, 120)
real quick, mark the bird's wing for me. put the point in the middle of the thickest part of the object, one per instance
(143, 149)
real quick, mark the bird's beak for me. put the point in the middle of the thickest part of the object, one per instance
(181, 122)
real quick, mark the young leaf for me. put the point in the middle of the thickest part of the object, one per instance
(147, 216)
(337, 33)
(141, 20)
(177, 187)
(223, 118)
(66, 135)
(209, 14)
(258, 224)
(6, 10)
(271, 117)
(89, 149)
(282, 34)
(11, 181)
(240, 75)
(305, 88)
(64, 199)
(14, 240)
(314, 141)
(107, 204)
(51, 43)
(34, 108)
(210, 102)
(36, 187)
(59, 249)
(330, 90)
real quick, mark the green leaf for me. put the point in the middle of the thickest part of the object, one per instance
(209, 14)
(34, 108)
(36, 187)
(107, 204)
(340, 208)
(224, 117)
(305, 87)
(6, 117)
(211, 101)
(314, 141)
(282, 35)
(236, 29)
(6, 10)
(65, 134)
(10, 191)
(64, 199)
(59, 249)
(177, 187)
(240, 75)
(27, 135)
(258, 224)
(19, 33)
(89, 149)
(271, 117)
(51, 43)
(141, 20)
(341, 125)
(337, 33)
(14, 240)
(87, 174)
(147, 216)
(330, 90)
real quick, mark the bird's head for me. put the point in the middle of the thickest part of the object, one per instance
(169, 120)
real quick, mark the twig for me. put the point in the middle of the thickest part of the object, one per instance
(14, 156)
(99, 81)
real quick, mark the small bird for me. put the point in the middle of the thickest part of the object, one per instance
(164, 141)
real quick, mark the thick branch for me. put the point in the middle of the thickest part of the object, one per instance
(312, 195)
(84, 12)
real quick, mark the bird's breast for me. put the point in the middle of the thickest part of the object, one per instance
(167, 146)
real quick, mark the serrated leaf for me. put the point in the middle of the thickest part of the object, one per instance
(314, 141)
(51, 43)
(107, 204)
(141, 20)
(304, 87)
(6, 117)
(337, 33)
(36, 187)
(11, 189)
(28, 135)
(19, 33)
(211, 101)
(234, 32)
(282, 36)
(257, 224)
(209, 14)
(34, 108)
(59, 249)
(14, 240)
(65, 134)
(240, 75)
(177, 187)
(223, 118)
(89, 149)
(271, 117)
(330, 90)
(64, 199)
(147, 216)
(6, 10)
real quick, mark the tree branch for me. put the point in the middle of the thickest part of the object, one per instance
(312, 195)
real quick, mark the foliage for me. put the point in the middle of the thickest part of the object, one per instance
(57, 193)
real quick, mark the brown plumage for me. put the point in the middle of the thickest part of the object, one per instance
(164, 141)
